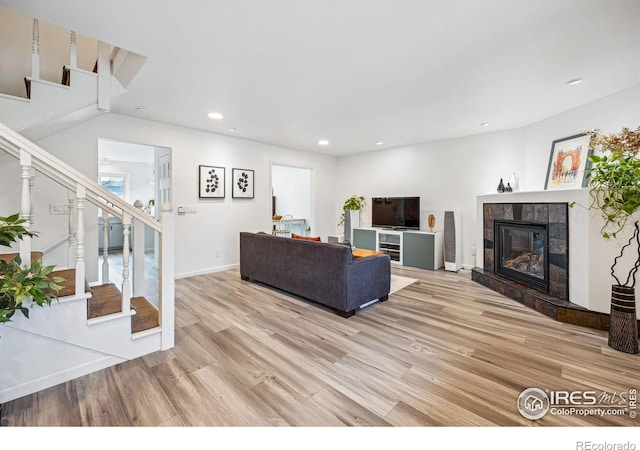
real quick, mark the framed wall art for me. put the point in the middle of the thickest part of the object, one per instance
(242, 183)
(211, 182)
(567, 163)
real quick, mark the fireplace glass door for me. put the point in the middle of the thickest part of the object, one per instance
(522, 253)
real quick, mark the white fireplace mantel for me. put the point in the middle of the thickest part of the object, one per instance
(590, 255)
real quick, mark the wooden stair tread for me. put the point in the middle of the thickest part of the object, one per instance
(106, 299)
(6, 257)
(146, 316)
(69, 283)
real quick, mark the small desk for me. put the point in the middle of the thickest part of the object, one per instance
(363, 252)
(284, 227)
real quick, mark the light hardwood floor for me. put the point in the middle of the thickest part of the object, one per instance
(443, 351)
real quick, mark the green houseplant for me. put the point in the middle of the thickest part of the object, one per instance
(353, 203)
(614, 181)
(17, 283)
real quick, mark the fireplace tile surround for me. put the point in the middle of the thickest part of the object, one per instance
(588, 257)
(555, 303)
(554, 216)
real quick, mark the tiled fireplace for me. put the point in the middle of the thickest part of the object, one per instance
(521, 252)
(528, 243)
(526, 258)
(564, 273)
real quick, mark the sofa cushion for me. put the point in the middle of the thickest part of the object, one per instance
(306, 238)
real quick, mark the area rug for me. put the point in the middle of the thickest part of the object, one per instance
(398, 282)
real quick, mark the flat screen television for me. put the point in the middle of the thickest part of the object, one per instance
(396, 212)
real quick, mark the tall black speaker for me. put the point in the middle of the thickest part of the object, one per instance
(452, 252)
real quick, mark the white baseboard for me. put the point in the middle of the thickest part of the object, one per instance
(56, 378)
(206, 271)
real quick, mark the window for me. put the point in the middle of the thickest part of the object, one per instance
(114, 184)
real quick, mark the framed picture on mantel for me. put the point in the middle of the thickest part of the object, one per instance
(567, 163)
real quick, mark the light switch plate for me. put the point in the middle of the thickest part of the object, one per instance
(61, 208)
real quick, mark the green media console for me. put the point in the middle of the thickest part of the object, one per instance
(420, 249)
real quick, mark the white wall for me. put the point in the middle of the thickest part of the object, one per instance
(445, 175)
(609, 114)
(449, 175)
(218, 221)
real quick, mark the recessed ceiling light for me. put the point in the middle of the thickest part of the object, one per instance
(484, 124)
(142, 110)
(232, 130)
(379, 143)
(323, 142)
(575, 81)
(215, 116)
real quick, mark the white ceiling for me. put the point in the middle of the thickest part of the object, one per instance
(355, 72)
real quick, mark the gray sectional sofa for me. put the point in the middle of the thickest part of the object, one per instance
(322, 272)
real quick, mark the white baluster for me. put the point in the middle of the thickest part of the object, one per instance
(35, 51)
(32, 196)
(80, 267)
(25, 206)
(138, 254)
(166, 273)
(73, 51)
(105, 246)
(126, 284)
(71, 254)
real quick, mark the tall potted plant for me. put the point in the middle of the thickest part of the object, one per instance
(351, 214)
(17, 283)
(614, 179)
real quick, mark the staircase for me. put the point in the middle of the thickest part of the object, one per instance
(79, 95)
(92, 325)
(95, 322)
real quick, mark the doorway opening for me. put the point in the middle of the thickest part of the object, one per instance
(136, 172)
(291, 207)
(133, 172)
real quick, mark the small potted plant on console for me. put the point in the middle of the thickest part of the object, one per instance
(351, 214)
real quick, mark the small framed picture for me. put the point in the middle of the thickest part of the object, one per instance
(567, 163)
(211, 182)
(242, 183)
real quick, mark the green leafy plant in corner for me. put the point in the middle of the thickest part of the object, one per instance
(353, 203)
(614, 181)
(17, 283)
(614, 178)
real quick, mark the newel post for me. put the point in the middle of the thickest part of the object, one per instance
(167, 276)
